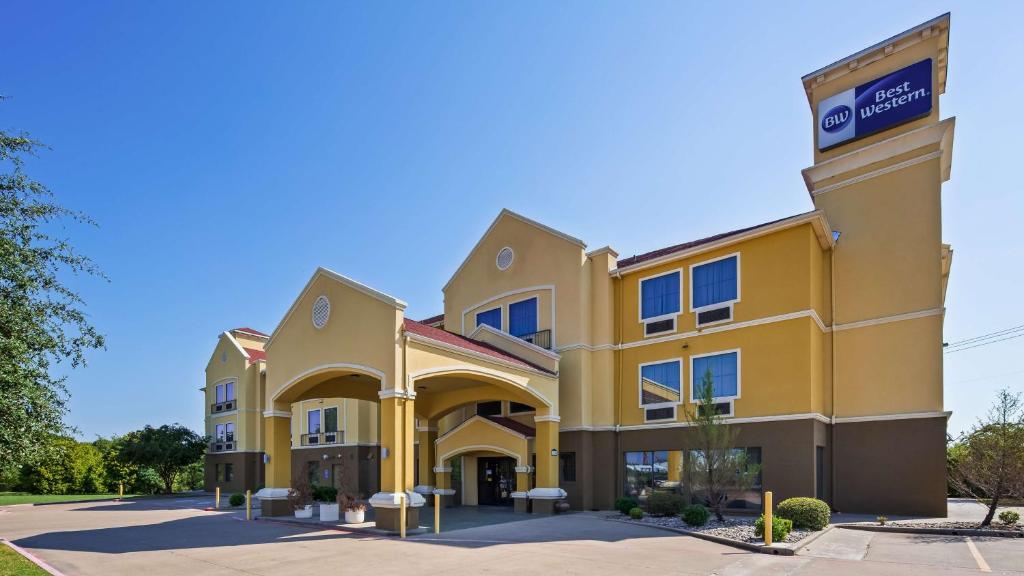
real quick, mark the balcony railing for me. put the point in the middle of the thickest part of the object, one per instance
(222, 445)
(323, 438)
(541, 338)
(222, 406)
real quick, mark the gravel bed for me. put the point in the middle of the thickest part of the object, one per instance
(996, 525)
(740, 529)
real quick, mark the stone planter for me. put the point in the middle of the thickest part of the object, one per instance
(305, 512)
(355, 516)
(328, 512)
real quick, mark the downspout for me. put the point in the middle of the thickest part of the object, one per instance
(619, 465)
(835, 388)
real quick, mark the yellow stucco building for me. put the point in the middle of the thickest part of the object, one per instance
(562, 373)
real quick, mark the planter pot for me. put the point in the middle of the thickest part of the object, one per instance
(306, 512)
(355, 516)
(328, 512)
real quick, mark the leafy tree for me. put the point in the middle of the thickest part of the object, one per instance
(42, 322)
(65, 466)
(168, 450)
(716, 466)
(991, 462)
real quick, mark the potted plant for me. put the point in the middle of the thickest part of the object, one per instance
(355, 511)
(326, 496)
(300, 497)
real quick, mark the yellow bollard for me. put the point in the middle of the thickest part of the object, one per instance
(120, 490)
(401, 517)
(767, 518)
(437, 513)
(216, 498)
(248, 504)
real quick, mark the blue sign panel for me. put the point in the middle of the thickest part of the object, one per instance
(882, 103)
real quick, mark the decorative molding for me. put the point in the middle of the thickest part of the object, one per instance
(362, 368)
(442, 469)
(394, 499)
(423, 489)
(520, 494)
(549, 418)
(524, 469)
(514, 340)
(276, 414)
(426, 428)
(587, 347)
(726, 327)
(481, 448)
(504, 312)
(478, 418)
(444, 491)
(888, 319)
(888, 417)
(940, 133)
(272, 494)
(396, 393)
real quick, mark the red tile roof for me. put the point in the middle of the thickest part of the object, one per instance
(251, 331)
(468, 344)
(633, 260)
(433, 319)
(512, 425)
(255, 355)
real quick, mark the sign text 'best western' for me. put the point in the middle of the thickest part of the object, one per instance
(893, 99)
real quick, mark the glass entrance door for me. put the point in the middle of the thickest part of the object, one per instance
(496, 478)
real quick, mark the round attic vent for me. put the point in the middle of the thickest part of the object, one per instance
(505, 257)
(321, 311)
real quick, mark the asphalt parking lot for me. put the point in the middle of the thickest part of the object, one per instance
(176, 536)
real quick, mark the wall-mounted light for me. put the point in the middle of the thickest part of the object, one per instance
(383, 452)
(266, 458)
(835, 236)
(324, 456)
(554, 451)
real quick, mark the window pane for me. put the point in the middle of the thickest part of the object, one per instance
(522, 317)
(714, 282)
(230, 388)
(659, 469)
(659, 383)
(515, 407)
(567, 460)
(659, 296)
(491, 317)
(638, 474)
(330, 420)
(229, 431)
(229, 472)
(220, 432)
(314, 422)
(220, 393)
(723, 369)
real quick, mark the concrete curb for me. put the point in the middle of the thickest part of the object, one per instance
(774, 549)
(936, 531)
(33, 558)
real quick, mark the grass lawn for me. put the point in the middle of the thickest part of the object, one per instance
(10, 498)
(14, 564)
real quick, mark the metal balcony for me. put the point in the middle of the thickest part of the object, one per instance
(222, 445)
(224, 406)
(541, 338)
(322, 439)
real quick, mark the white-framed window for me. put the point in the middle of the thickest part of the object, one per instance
(229, 432)
(660, 388)
(221, 431)
(660, 302)
(225, 392)
(522, 317)
(723, 367)
(714, 288)
(313, 421)
(220, 393)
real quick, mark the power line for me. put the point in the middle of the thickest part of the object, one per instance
(986, 343)
(987, 336)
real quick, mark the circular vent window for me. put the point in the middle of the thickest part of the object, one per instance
(321, 311)
(505, 257)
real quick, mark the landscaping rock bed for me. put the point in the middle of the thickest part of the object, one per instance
(946, 525)
(740, 529)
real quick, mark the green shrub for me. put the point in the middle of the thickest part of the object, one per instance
(324, 493)
(237, 499)
(636, 513)
(1009, 517)
(780, 528)
(626, 504)
(695, 515)
(665, 504)
(807, 513)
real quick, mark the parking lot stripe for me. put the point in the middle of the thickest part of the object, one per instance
(982, 565)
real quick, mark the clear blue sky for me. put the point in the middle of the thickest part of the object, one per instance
(228, 149)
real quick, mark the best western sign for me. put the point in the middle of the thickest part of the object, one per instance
(882, 103)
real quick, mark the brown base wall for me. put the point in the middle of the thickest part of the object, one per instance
(892, 467)
(882, 467)
(247, 472)
(358, 466)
